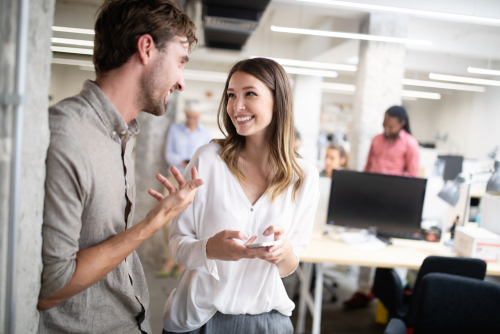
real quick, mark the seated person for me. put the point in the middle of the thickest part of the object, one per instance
(336, 158)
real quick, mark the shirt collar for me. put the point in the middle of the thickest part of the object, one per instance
(107, 112)
(199, 127)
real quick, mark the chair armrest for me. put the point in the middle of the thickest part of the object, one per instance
(395, 326)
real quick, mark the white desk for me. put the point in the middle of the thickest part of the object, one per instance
(328, 249)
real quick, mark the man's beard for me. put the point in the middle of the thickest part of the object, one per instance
(150, 102)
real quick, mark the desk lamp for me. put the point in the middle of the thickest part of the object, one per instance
(451, 191)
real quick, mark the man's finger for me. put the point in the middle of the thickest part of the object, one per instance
(166, 183)
(178, 176)
(155, 194)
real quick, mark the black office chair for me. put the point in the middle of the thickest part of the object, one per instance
(388, 289)
(454, 304)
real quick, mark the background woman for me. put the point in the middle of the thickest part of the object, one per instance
(336, 158)
(257, 190)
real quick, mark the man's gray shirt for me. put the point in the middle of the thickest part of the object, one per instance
(90, 195)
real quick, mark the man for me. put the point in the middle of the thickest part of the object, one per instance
(186, 137)
(182, 141)
(393, 152)
(93, 281)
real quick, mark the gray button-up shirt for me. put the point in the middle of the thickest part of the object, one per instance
(90, 194)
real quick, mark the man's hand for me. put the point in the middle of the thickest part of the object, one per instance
(222, 247)
(177, 200)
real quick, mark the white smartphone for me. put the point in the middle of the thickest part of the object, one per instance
(264, 244)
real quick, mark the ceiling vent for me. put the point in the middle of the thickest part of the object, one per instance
(228, 24)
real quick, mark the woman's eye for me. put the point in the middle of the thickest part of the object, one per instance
(251, 94)
(230, 95)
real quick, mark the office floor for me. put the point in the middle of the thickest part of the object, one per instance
(334, 318)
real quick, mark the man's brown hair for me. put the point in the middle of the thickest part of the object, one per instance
(120, 23)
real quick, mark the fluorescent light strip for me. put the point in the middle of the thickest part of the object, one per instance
(75, 62)
(406, 94)
(205, 76)
(416, 12)
(338, 86)
(408, 98)
(482, 71)
(349, 35)
(422, 95)
(444, 77)
(313, 64)
(72, 50)
(433, 84)
(306, 71)
(71, 41)
(74, 30)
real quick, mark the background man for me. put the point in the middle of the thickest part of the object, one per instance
(393, 152)
(93, 281)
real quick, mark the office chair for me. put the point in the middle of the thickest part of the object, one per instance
(454, 304)
(388, 289)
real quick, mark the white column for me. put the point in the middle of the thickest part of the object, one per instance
(378, 83)
(307, 112)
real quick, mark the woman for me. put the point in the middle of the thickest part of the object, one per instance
(256, 190)
(336, 158)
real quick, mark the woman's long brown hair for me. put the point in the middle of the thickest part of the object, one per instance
(282, 157)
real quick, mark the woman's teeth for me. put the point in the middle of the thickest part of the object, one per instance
(242, 119)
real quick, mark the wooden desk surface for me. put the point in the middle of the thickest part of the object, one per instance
(402, 253)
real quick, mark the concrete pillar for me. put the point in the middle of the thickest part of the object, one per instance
(307, 112)
(378, 84)
(35, 144)
(150, 160)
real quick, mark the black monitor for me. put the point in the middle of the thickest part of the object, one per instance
(452, 167)
(390, 203)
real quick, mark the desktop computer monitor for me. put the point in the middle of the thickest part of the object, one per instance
(389, 203)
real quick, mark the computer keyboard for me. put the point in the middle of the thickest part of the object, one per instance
(401, 235)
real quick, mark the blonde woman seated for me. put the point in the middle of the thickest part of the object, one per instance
(257, 189)
(336, 158)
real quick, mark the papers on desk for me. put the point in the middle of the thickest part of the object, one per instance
(362, 241)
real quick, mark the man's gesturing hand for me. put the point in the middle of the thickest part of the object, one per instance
(178, 199)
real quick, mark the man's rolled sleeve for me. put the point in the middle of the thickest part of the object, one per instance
(63, 209)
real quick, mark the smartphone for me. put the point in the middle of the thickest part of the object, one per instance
(264, 244)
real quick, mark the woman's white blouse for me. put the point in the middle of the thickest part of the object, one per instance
(247, 286)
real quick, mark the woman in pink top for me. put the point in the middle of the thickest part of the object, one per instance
(393, 152)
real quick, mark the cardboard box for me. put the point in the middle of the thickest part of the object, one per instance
(477, 243)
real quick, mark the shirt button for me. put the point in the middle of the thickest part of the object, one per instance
(251, 209)
(124, 132)
(113, 133)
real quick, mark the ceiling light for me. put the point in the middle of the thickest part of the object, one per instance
(349, 35)
(306, 71)
(405, 94)
(443, 77)
(72, 50)
(74, 30)
(314, 64)
(422, 95)
(205, 76)
(482, 71)
(74, 62)
(415, 12)
(71, 41)
(433, 84)
(338, 86)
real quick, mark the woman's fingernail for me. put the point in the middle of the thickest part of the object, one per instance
(266, 232)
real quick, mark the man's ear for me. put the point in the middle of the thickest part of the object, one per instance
(145, 46)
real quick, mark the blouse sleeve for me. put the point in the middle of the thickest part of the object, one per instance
(302, 229)
(186, 248)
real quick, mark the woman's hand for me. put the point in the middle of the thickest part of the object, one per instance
(282, 254)
(222, 247)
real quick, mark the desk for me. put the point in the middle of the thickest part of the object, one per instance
(330, 249)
